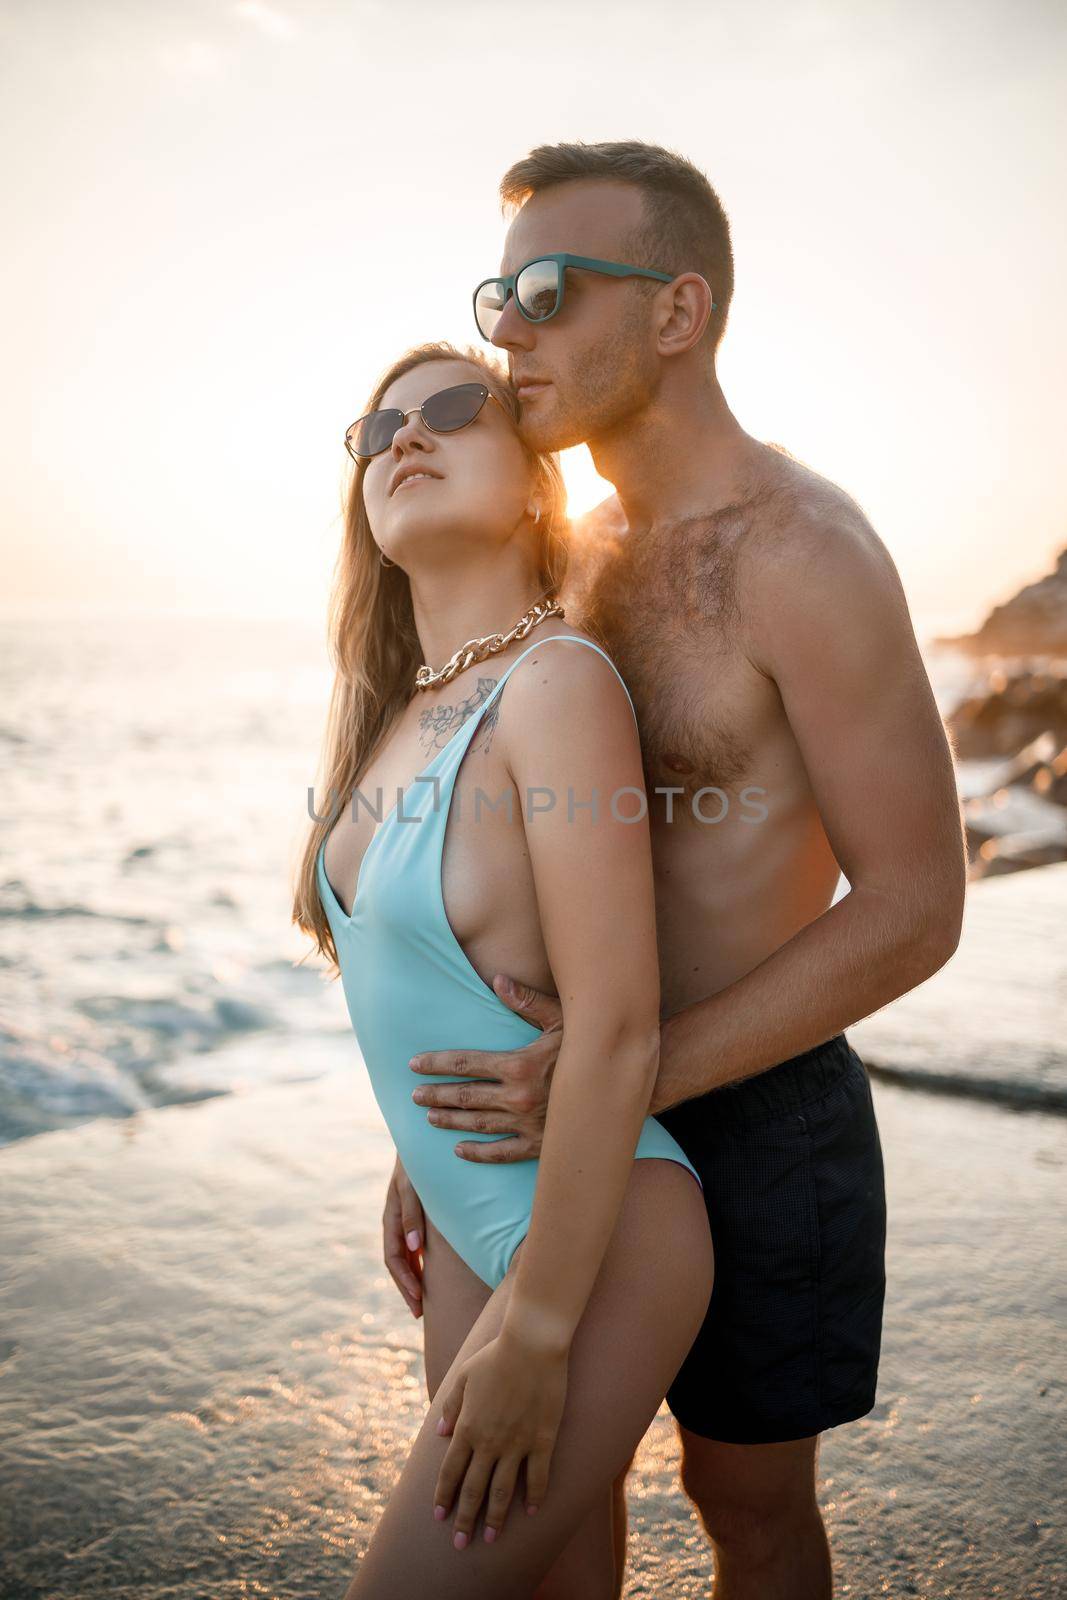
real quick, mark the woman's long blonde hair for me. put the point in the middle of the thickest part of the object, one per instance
(371, 633)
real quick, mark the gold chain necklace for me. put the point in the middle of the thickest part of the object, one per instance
(477, 649)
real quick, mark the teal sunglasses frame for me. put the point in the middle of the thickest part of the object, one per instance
(611, 269)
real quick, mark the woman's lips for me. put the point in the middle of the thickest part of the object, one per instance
(414, 478)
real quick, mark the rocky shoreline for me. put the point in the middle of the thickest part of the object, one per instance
(1011, 746)
(1033, 622)
(1010, 738)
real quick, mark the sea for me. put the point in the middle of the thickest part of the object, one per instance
(158, 778)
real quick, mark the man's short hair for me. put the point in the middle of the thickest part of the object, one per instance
(685, 228)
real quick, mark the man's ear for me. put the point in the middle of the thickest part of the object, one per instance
(686, 307)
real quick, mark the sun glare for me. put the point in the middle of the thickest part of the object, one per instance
(585, 487)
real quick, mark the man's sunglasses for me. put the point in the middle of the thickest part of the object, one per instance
(538, 287)
(444, 412)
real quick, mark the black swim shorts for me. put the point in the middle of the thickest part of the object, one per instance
(794, 1184)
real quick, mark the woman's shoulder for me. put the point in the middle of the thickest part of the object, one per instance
(552, 679)
(567, 718)
(564, 664)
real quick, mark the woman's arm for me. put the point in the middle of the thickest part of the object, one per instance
(568, 738)
(567, 727)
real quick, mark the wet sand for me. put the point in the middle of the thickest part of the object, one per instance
(992, 1023)
(208, 1380)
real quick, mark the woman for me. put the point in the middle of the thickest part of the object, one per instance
(561, 1295)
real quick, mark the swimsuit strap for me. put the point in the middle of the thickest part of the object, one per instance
(568, 638)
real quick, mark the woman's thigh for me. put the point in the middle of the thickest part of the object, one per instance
(453, 1298)
(648, 1301)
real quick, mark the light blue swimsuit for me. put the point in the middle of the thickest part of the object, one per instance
(410, 987)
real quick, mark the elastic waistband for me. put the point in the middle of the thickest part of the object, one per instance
(789, 1086)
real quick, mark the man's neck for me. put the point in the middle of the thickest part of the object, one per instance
(680, 457)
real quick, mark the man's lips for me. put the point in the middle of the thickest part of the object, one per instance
(526, 388)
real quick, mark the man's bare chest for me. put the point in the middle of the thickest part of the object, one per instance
(674, 629)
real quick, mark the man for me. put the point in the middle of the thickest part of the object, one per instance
(789, 733)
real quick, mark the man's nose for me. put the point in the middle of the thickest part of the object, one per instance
(512, 331)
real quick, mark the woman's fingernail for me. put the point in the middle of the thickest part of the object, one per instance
(490, 1535)
(413, 1239)
(530, 1510)
(439, 1513)
(460, 1541)
(440, 1424)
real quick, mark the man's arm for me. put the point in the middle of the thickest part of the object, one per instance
(827, 621)
(829, 625)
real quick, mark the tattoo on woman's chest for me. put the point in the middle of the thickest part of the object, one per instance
(439, 723)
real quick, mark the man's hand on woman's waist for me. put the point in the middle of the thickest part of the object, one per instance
(511, 1087)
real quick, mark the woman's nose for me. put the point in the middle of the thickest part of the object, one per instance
(412, 435)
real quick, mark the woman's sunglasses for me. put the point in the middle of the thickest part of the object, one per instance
(444, 412)
(538, 287)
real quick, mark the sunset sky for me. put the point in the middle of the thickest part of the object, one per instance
(222, 220)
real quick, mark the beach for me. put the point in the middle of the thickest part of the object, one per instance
(207, 1378)
(992, 1023)
(209, 1381)
(793, 274)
